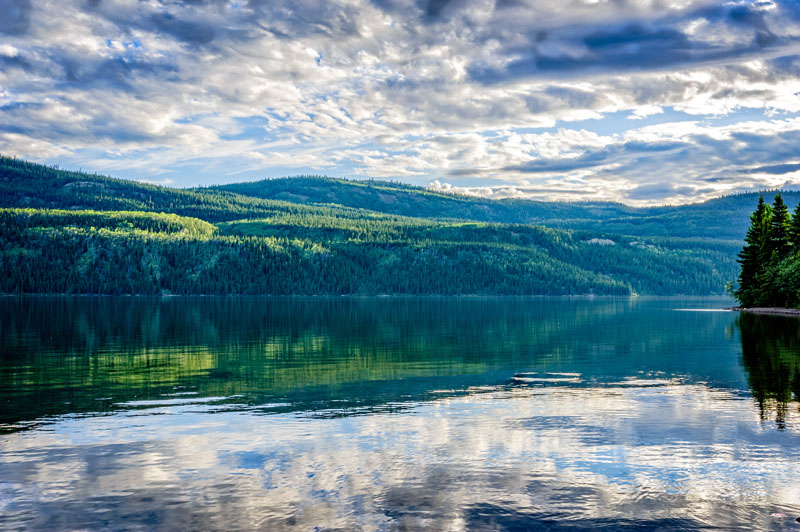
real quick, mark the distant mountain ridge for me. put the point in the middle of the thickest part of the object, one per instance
(25, 184)
(410, 200)
(725, 217)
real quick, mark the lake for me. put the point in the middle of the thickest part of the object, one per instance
(396, 414)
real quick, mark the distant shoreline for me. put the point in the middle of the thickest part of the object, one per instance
(775, 311)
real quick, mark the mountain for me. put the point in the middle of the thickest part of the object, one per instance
(75, 232)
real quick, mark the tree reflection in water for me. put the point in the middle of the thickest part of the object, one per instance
(771, 356)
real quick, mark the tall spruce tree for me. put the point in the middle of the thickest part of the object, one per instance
(794, 230)
(753, 256)
(779, 230)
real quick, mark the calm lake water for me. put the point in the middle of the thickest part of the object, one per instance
(396, 414)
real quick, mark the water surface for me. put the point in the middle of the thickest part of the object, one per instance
(396, 414)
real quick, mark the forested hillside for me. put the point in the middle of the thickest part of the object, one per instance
(407, 200)
(24, 184)
(721, 218)
(73, 232)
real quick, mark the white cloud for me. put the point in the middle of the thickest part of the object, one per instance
(158, 85)
(644, 111)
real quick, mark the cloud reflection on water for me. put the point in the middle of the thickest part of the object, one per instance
(677, 457)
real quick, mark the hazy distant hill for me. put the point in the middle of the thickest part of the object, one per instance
(78, 232)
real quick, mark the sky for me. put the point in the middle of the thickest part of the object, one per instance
(639, 101)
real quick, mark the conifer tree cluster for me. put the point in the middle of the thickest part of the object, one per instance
(770, 259)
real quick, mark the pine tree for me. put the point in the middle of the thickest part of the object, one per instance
(779, 230)
(794, 230)
(753, 255)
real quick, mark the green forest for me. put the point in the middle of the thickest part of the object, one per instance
(81, 233)
(770, 259)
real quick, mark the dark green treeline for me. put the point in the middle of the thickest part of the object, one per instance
(770, 259)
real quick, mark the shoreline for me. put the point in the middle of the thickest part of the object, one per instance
(588, 297)
(774, 311)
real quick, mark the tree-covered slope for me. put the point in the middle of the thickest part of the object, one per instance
(142, 253)
(25, 184)
(363, 253)
(81, 233)
(725, 218)
(660, 267)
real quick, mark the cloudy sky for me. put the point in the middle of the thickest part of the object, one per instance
(640, 101)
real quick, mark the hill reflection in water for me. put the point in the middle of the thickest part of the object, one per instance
(72, 355)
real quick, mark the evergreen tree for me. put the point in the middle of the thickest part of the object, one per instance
(794, 229)
(779, 231)
(753, 256)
